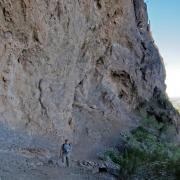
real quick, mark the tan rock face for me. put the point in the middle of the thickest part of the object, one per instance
(73, 68)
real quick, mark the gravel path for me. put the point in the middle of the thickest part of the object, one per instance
(25, 158)
(14, 166)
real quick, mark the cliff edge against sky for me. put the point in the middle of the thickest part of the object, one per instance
(79, 69)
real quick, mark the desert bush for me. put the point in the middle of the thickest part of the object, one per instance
(150, 152)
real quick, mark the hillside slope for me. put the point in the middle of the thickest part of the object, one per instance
(78, 69)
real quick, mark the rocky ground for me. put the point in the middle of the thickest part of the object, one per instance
(20, 160)
(15, 167)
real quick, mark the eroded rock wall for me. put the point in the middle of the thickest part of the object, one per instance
(76, 68)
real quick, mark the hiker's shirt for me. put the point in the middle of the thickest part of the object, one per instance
(66, 149)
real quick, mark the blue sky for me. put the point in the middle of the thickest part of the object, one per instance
(164, 18)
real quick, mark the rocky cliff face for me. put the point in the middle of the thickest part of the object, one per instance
(78, 68)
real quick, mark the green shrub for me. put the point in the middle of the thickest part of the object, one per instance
(149, 153)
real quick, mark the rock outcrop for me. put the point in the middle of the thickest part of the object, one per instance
(78, 68)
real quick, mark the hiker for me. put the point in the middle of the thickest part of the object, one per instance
(65, 152)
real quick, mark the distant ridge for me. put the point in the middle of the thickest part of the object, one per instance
(176, 102)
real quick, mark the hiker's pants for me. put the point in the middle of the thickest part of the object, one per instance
(65, 158)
